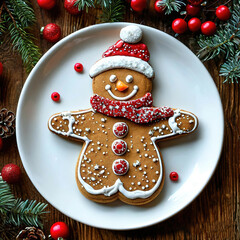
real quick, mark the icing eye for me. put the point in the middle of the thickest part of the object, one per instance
(113, 78)
(129, 78)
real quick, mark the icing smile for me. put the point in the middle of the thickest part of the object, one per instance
(134, 91)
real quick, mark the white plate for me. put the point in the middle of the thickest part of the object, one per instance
(181, 81)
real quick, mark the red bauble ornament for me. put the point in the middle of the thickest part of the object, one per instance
(223, 13)
(158, 7)
(138, 5)
(179, 26)
(192, 10)
(195, 2)
(11, 173)
(194, 24)
(70, 6)
(55, 96)
(78, 67)
(1, 68)
(46, 4)
(1, 144)
(51, 32)
(59, 230)
(208, 28)
(173, 176)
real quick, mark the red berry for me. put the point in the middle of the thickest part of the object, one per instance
(194, 24)
(195, 2)
(208, 28)
(78, 67)
(51, 32)
(46, 4)
(179, 26)
(1, 144)
(55, 96)
(1, 68)
(223, 13)
(158, 7)
(59, 230)
(173, 176)
(192, 10)
(11, 173)
(138, 5)
(70, 6)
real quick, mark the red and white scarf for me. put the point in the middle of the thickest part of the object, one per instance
(138, 111)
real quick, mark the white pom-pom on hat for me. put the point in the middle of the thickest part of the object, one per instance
(131, 34)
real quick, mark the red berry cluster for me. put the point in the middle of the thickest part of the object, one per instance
(207, 28)
(52, 32)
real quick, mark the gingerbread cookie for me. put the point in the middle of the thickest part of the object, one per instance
(120, 157)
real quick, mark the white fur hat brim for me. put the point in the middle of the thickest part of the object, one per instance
(113, 62)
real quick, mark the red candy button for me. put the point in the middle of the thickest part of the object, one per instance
(120, 166)
(78, 67)
(55, 96)
(120, 129)
(119, 147)
(173, 176)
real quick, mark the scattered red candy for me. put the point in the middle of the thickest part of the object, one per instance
(55, 96)
(179, 26)
(78, 67)
(195, 2)
(1, 68)
(208, 28)
(59, 230)
(194, 24)
(173, 176)
(46, 4)
(158, 7)
(192, 10)
(138, 5)
(11, 173)
(70, 6)
(51, 32)
(223, 13)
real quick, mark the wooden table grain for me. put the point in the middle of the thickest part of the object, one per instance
(214, 214)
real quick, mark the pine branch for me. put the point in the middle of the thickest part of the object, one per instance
(171, 5)
(84, 4)
(105, 3)
(27, 213)
(22, 13)
(114, 12)
(231, 68)
(7, 200)
(225, 41)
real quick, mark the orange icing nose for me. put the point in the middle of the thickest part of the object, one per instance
(121, 86)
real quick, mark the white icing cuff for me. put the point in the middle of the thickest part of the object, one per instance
(112, 62)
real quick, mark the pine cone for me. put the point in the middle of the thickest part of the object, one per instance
(31, 233)
(7, 123)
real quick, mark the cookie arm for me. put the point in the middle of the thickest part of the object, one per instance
(181, 123)
(64, 124)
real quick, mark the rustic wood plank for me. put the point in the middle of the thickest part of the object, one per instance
(214, 214)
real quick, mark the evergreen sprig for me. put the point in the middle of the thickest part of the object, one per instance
(225, 42)
(84, 4)
(230, 70)
(16, 20)
(114, 12)
(170, 6)
(17, 212)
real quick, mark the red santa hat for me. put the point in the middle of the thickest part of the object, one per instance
(128, 53)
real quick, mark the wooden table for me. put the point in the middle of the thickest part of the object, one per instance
(214, 214)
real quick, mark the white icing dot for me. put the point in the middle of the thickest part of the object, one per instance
(139, 183)
(113, 78)
(129, 78)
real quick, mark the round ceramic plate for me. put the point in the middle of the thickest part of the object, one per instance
(181, 81)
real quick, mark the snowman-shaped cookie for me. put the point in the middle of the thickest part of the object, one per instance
(120, 158)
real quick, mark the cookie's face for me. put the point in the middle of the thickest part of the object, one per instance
(121, 84)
